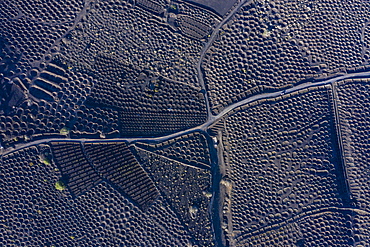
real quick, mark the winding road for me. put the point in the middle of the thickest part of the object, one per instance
(212, 119)
(211, 39)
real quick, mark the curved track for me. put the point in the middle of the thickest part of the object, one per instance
(212, 119)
